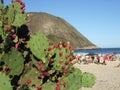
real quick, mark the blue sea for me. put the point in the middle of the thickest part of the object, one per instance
(100, 51)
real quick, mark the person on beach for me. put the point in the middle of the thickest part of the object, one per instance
(83, 59)
(96, 59)
(102, 60)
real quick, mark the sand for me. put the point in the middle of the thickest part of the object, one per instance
(107, 76)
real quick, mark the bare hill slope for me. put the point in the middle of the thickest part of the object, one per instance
(57, 29)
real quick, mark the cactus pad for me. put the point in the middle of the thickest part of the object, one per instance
(88, 79)
(38, 45)
(5, 82)
(30, 74)
(73, 80)
(20, 19)
(15, 61)
(49, 86)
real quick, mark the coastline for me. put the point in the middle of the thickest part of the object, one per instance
(88, 47)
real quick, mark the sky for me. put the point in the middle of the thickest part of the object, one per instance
(97, 20)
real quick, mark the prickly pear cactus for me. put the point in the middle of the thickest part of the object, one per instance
(59, 59)
(10, 14)
(5, 82)
(12, 18)
(18, 22)
(62, 60)
(2, 32)
(38, 45)
(49, 86)
(39, 64)
(14, 62)
(73, 80)
(15, 15)
(88, 79)
(31, 78)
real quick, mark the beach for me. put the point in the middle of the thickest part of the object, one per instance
(107, 76)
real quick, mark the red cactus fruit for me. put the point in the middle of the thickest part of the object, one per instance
(61, 53)
(64, 84)
(7, 69)
(57, 88)
(71, 59)
(67, 55)
(56, 46)
(40, 63)
(42, 70)
(41, 76)
(58, 83)
(63, 67)
(51, 43)
(65, 71)
(70, 48)
(49, 49)
(46, 73)
(9, 29)
(22, 6)
(18, 1)
(28, 81)
(61, 61)
(51, 60)
(22, 3)
(23, 12)
(16, 45)
(39, 87)
(64, 44)
(39, 68)
(66, 63)
(14, 36)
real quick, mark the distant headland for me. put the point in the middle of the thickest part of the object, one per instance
(57, 29)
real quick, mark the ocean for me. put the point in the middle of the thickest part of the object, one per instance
(99, 51)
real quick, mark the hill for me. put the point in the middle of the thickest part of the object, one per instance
(57, 29)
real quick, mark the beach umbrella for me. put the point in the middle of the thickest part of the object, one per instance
(106, 57)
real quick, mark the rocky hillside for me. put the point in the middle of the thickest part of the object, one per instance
(57, 29)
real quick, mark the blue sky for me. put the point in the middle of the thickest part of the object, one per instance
(98, 20)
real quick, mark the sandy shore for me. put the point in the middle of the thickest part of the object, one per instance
(107, 76)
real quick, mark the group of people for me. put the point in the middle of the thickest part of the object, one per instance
(96, 58)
